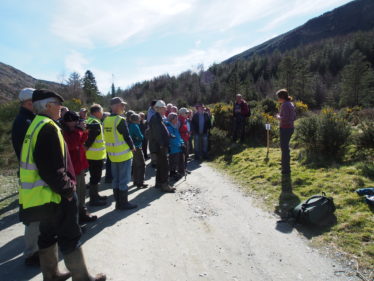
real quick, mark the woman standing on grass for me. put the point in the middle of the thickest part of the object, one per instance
(286, 116)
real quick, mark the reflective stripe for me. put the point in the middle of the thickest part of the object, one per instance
(119, 153)
(28, 166)
(31, 185)
(96, 149)
(115, 143)
(99, 141)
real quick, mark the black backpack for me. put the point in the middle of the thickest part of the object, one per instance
(316, 210)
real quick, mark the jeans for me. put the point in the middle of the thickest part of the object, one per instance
(62, 228)
(108, 170)
(285, 137)
(239, 127)
(201, 145)
(121, 172)
(95, 168)
(31, 239)
(176, 163)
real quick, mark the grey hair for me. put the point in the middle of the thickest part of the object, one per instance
(172, 116)
(40, 106)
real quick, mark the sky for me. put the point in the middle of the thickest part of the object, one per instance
(128, 41)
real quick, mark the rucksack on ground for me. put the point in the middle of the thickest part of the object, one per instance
(315, 210)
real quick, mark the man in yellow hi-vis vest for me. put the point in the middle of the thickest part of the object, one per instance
(119, 146)
(47, 191)
(95, 153)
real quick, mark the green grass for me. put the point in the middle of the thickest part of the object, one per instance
(353, 233)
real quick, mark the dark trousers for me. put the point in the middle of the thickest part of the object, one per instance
(176, 162)
(95, 168)
(108, 170)
(145, 147)
(62, 227)
(162, 167)
(239, 128)
(285, 137)
(138, 167)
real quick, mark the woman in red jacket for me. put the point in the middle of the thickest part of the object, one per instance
(75, 135)
(185, 133)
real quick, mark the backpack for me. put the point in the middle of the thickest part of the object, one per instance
(316, 210)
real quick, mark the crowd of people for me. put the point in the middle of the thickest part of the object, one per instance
(57, 146)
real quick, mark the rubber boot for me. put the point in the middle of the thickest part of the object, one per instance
(167, 188)
(94, 199)
(85, 216)
(77, 266)
(124, 203)
(49, 265)
(116, 197)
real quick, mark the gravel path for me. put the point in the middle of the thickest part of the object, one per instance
(208, 230)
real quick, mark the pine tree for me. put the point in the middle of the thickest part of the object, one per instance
(353, 80)
(90, 87)
(74, 87)
(113, 91)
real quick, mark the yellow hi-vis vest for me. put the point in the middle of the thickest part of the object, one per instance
(97, 150)
(34, 191)
(117, 148)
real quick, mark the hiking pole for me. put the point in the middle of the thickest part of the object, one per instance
(267, 127)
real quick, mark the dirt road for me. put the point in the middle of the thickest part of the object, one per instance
(208, 230)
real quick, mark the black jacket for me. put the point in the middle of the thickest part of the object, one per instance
(158, 134)
(19, 129)
(57, 172)
(195, 126)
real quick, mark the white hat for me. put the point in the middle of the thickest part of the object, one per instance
(160, 103)
(183, 110)
(26, 94)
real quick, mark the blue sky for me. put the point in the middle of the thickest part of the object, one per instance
(127, 41)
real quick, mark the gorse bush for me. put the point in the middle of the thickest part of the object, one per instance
(323, 136)
(365, 138)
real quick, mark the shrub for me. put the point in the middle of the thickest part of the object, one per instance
(367, 169)
(219, 140)
(269, 106)
(365, 138)
(222, 116)
(301, 108)
(73, 104)
(324, 135)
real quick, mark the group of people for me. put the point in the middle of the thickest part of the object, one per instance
(56, 146)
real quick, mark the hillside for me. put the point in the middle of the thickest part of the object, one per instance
(12, 80)
(355, 16)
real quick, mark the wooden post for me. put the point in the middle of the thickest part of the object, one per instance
(267, 127)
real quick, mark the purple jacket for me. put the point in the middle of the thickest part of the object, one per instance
(287, 115)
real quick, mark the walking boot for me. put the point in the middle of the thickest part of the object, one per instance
(85, 216)
(116, 197)
(49, 265)
(94, 198)
(124, 201)
(167, 188)
(77, 266)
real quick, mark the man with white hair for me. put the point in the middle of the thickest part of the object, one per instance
(47, 192)
(20, 126)
(159, 144)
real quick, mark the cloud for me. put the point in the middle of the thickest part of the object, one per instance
(76, 62)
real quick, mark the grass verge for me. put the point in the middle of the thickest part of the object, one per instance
(352, 234)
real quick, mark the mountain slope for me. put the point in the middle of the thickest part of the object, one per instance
(12, 80)
(355, 16)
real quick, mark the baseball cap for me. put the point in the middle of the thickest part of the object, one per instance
(45, 94)
(160, 103)
(26, 94)
(70, 116)
(117, 100)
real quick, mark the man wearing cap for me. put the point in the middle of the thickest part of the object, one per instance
(159, 144)
(119, 147)
(240, 113)
(20, 126)
(47, 192)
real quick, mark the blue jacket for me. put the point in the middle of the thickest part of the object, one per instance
(176, 141)
(136, 135)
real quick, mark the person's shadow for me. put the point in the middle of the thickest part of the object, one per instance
(286, 202)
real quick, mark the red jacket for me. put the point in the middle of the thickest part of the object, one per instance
(183, 129)
(75, 141)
